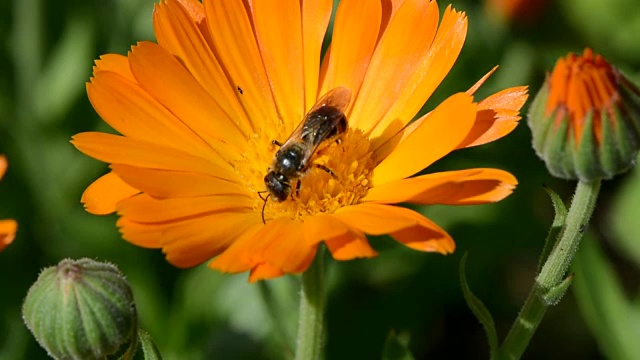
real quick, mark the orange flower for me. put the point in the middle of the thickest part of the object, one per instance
(517, 10)
(8, 228)
(199, 112)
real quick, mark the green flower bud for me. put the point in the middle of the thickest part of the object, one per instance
(586, 119)
(81, 309)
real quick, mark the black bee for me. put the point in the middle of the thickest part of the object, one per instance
(325, 120)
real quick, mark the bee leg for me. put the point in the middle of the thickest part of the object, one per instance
(263, 206)
(298, 188)
(320, 166)
(276, 142)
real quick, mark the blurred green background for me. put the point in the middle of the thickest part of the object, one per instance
(47, 50)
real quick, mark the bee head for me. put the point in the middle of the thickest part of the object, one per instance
(278, 185)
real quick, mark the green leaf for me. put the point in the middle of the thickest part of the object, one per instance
(624, 218)
(613, 320)
(479, 310)
(396, 347)
(560, 210)
(63, 79)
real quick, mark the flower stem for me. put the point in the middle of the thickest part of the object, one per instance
(553, 271)
(311, 323)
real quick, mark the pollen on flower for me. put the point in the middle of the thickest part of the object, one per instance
(349, 158)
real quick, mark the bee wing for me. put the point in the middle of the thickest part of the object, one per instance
(338, 98)
(313, 129)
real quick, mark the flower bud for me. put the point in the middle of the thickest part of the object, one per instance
(586, 119)
(81, 309)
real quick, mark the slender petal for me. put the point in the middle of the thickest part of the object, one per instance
(140, 116)
(122, 150)
(463, 187)
(164, 78)
(351, 245)
(397, 56)
(236, 48)
(207, 235)
(437, 136)
(355, 34)
(146, 209)
(278, 31)
(497, 116)
(170, 183)
(177, 32)
(116, 63)
(315, 19)
(404, 225)
(428, 74)
(103, 195)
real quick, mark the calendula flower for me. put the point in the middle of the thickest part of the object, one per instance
(199, 112)
(8, 227)
(525, 11)
(585, 119)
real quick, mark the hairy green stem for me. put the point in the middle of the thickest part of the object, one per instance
(312, 300)
(553, 271)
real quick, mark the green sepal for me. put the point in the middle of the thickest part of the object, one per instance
(396, 347)
(560, 215)
(149, 348)
(479, 310)
(553, 295)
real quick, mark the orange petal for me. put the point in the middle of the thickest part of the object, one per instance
(236, 48)
(472, 90)
(3, 165)
(427, 237)
(398, 55)
(8, 230)
(194, 8)
(278, 31)
(426, 76)
(144, 208)
(122, 150)
(102, 196)
(141, 234)
(315, 19)
(497, 116)
(191, 241)
(438, 135)
(280, 244)
(350, 246)
(234, 259)
(165, 79)
(170, 184)
(464, 187)
(264, 272)
(355, 34)
(179, 33)
(126, 107)
(116, 63)
(406, 226)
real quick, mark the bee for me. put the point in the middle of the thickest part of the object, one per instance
(326, 120)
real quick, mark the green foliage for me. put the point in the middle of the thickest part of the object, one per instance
(479, 309)
(396, 347)
(610, 314)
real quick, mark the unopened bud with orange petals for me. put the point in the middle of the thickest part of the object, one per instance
(586, 119)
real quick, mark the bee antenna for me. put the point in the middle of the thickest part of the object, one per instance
(263, 206)
(262, 192)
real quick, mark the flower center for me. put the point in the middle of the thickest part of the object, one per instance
(338, 174)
